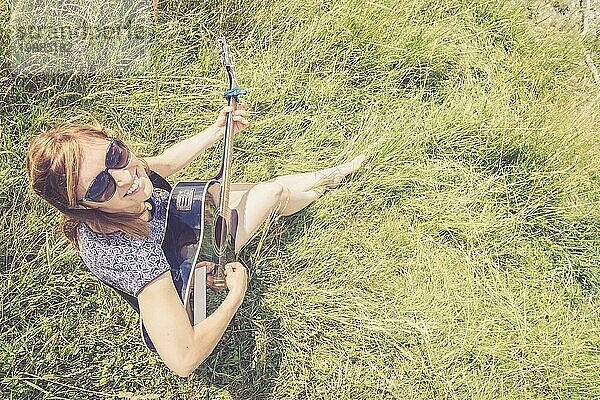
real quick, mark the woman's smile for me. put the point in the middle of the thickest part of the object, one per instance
(135, 186)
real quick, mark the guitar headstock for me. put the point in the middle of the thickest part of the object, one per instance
(227, 62)
(225, 57)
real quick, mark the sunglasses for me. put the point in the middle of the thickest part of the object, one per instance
(103, 187)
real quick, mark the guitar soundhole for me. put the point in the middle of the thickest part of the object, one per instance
(220, 231)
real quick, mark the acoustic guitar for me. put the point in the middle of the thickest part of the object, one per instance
(200, 230)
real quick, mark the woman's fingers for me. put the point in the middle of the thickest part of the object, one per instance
(232, 266)
(237, 116)
(240, 119)
(240, 113)
(209, 265)
(239, 110)
(228, 269)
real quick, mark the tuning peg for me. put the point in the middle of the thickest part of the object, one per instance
(234, 92)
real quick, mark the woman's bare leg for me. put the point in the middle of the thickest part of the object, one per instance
(237, 190)
(257, 203)
(329, 176)
(285, 195)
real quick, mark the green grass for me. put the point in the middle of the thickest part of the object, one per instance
(462, 262)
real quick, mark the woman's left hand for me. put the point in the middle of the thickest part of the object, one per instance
(239, 121)
(210, 278)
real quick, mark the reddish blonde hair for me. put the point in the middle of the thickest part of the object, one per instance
(53, 162)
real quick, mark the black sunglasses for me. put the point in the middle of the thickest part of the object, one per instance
(103, 187)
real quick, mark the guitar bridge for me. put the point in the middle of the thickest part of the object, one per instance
(185, 199)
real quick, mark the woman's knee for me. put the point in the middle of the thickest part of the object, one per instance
(278, 192)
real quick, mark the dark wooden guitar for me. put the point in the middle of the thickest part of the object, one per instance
(200, 231)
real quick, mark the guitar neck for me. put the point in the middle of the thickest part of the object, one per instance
(224, 175)
(226, 161)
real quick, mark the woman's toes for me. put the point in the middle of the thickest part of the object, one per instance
(334, 179)
(352, 166)
(358, 161)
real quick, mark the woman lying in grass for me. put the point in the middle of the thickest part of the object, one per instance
(113, 216)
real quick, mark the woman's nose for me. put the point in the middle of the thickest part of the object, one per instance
(123, 177)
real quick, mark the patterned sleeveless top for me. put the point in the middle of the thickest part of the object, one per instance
(122, 261)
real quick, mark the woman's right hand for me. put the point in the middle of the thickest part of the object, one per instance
(236, 279)
(239, 121)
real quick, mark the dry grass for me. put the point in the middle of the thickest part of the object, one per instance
(460, 263)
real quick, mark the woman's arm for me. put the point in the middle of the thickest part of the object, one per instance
(181, 154)
(180, 345)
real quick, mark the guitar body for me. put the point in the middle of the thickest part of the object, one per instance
(194, 234)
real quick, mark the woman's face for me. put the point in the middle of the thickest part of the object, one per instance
(93, 162)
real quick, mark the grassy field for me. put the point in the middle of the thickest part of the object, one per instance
(462, 262)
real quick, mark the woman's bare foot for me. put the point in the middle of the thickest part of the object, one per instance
(334, 179)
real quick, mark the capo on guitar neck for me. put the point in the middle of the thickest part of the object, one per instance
(234, 92)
